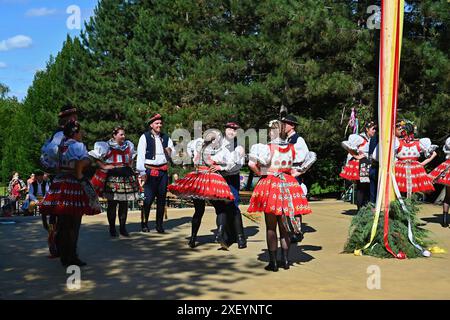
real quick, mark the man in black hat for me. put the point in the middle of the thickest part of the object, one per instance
(290, 124)
(154, 153)
(229, 162)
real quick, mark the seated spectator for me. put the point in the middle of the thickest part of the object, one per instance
(37, 191)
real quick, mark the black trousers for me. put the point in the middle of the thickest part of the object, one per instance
(68, 230)
(155, 187)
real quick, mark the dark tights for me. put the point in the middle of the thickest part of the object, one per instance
(111, 212)
(446, 199)
(271, 233)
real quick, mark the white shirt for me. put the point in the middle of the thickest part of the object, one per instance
(301, 149)
(39, 190)
(160, 157)
(229, 161)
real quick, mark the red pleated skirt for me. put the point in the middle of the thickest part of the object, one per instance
(67, 196)
(351, 170)
(202, 184)
(420, 181)
(273, 195)
(438, 176)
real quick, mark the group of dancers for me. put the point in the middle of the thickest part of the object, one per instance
(218, 158)
(411, 177)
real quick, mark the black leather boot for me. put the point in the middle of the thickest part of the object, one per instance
(195, 227)
(242, 242)
(112, 231)
(272, 266)
(284, 259)
(220, 237)
(144, 227)
(159, 228)
(445, 219)
(123, 231)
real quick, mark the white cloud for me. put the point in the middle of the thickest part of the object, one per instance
(40, 12)
(2, 65)
(16, 42)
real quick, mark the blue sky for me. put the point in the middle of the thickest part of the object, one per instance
(31, 31)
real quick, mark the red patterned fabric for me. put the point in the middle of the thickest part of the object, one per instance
(414, 172)
(67, 197)
(441, 174)
(202, 184)
(98, 181)
(269, 196)
(351, 171)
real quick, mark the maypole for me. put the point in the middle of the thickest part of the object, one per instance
(392, 12)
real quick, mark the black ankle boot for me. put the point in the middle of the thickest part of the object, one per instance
(220, 237)
(284, 259)
(195, 227)
(272, 266)
(242, 242)
(113, 232)
(144, 227)
(123, 231)
(192, 241)
(445, 220)
(159, 228)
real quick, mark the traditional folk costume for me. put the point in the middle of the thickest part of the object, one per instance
(277, 192)
(230, 159)
(201, 184)
(118, 185)
(441, 175)
(304, 159)
(278, 195)
(69, 198)
(355, 170)
(410, 175)
(153, 161)
(50, 162)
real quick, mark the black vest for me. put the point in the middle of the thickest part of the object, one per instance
(293, 139)
(35, 188)
(150, 152)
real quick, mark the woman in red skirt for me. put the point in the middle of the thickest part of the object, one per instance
(203, 184)
(277, 194)
(410, 174)
(357, 167)
(441, 175)
(116, 180)
(70, 195)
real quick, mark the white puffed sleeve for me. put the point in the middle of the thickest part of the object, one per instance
(426, 147)
(132, 149)
(310, 158)
(101, 148)
(194, 146)
(260, 153)
(76, 151)
(351, 145)
(446, 148)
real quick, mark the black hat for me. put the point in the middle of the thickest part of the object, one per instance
(289, 119)
(38, 172)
